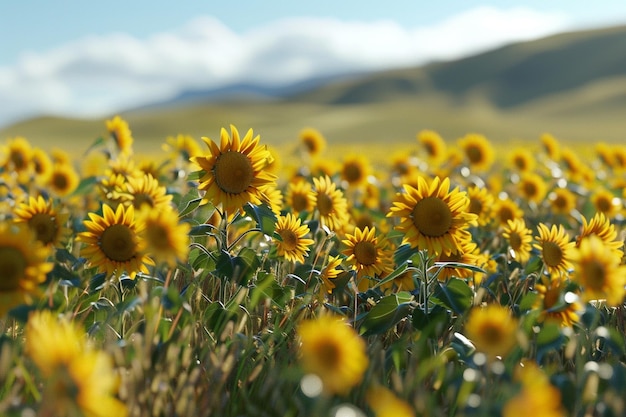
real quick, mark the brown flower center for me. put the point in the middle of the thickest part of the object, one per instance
(19, 160)
(118, 243)
(491, 334)
(352, 172)
(12, 265)
(475, 206)
(432, 217)
(552, 254)
(515, 241)
(530, 189)
(233, 172)
(60, 181)
(290, 239)
(299, 202)
(45, 227)
(603, 205)
(158, 237)
(365, 253)
(474, 154)
(325, 204)
(329, 354)
(594, 274)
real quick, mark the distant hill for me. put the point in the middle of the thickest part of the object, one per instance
(572, 85)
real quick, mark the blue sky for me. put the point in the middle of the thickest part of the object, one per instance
(88, 58)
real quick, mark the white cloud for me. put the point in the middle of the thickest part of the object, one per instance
(95, 76)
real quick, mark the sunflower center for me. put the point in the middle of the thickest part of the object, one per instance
(324, 204)
(299, 202)
(118, 243)
(352, 172)
(140, 199)
(492, 334)
(329, 354)
(290, 239)
(520, 163)
(158, 237)
(475, 206)
(595, 275)
(505, 214)
(310, 144)
(45, 227)
(432, 217)
(560, 202)
(603, 205)
(365, 253)
(19, 161)
(515, 241)
(530, 189)
(233, 172)
(430, 148)
(474, 154)
(12, 265)
(552, 254)
(551, 297)
(60, 181)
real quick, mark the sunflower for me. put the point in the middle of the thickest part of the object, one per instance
(619, 156)
(42, 165)
(80, 380)
(492, 329)
(292, 245)
(606, 202)
(300, 197)
(355, 170)
(273, 197)
(312, 140)
(48, 224)
(432, 217)
(333, 351)
(329, 273)
(330, 203)
(384, 403)
(556, 249)
(519, 238)
(147, 194)
(233, 173)
(599, 272)
(434, 146)
(467, 253)
(480, 203)
(522, 160)
(121, 134)
(537, 397)
(562, 201)
(532, 187)
(478, 151)
(553, 305)
(605, 154)
(601, 226)
(63, 179)
(165, 237)
(551, 146)
(505, 209)
(112, 242)
(181, 147)
(113, 189)
(368, 254)
(18, 153)
(23, 262)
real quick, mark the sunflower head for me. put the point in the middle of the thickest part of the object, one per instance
(292, 243)
(312, 141)
(121, 134)
(557, 250)
(478, 151)
(48, 224)
(63, 180)
(492, 329)
(433, 145)
(433, 217)
(234, 173)
(24, 265)
(368, 254)
(332, 350)
(166, 238)
(562, 200)
(112, 242)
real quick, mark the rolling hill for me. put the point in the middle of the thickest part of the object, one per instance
(572, 85)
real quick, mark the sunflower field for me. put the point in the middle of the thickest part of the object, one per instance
(223, 277)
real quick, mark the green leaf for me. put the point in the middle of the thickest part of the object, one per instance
(460, 265)
(195, 175)
(403, 254)
(100, 140)
(190, 206)
(528, 301)
(202, 230)
(454, 294)
(264, 217)
(85, 186)
(387, 313)
(238, 268)
(433, 323)
(395, 274)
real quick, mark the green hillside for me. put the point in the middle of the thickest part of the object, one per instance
(572, 85)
